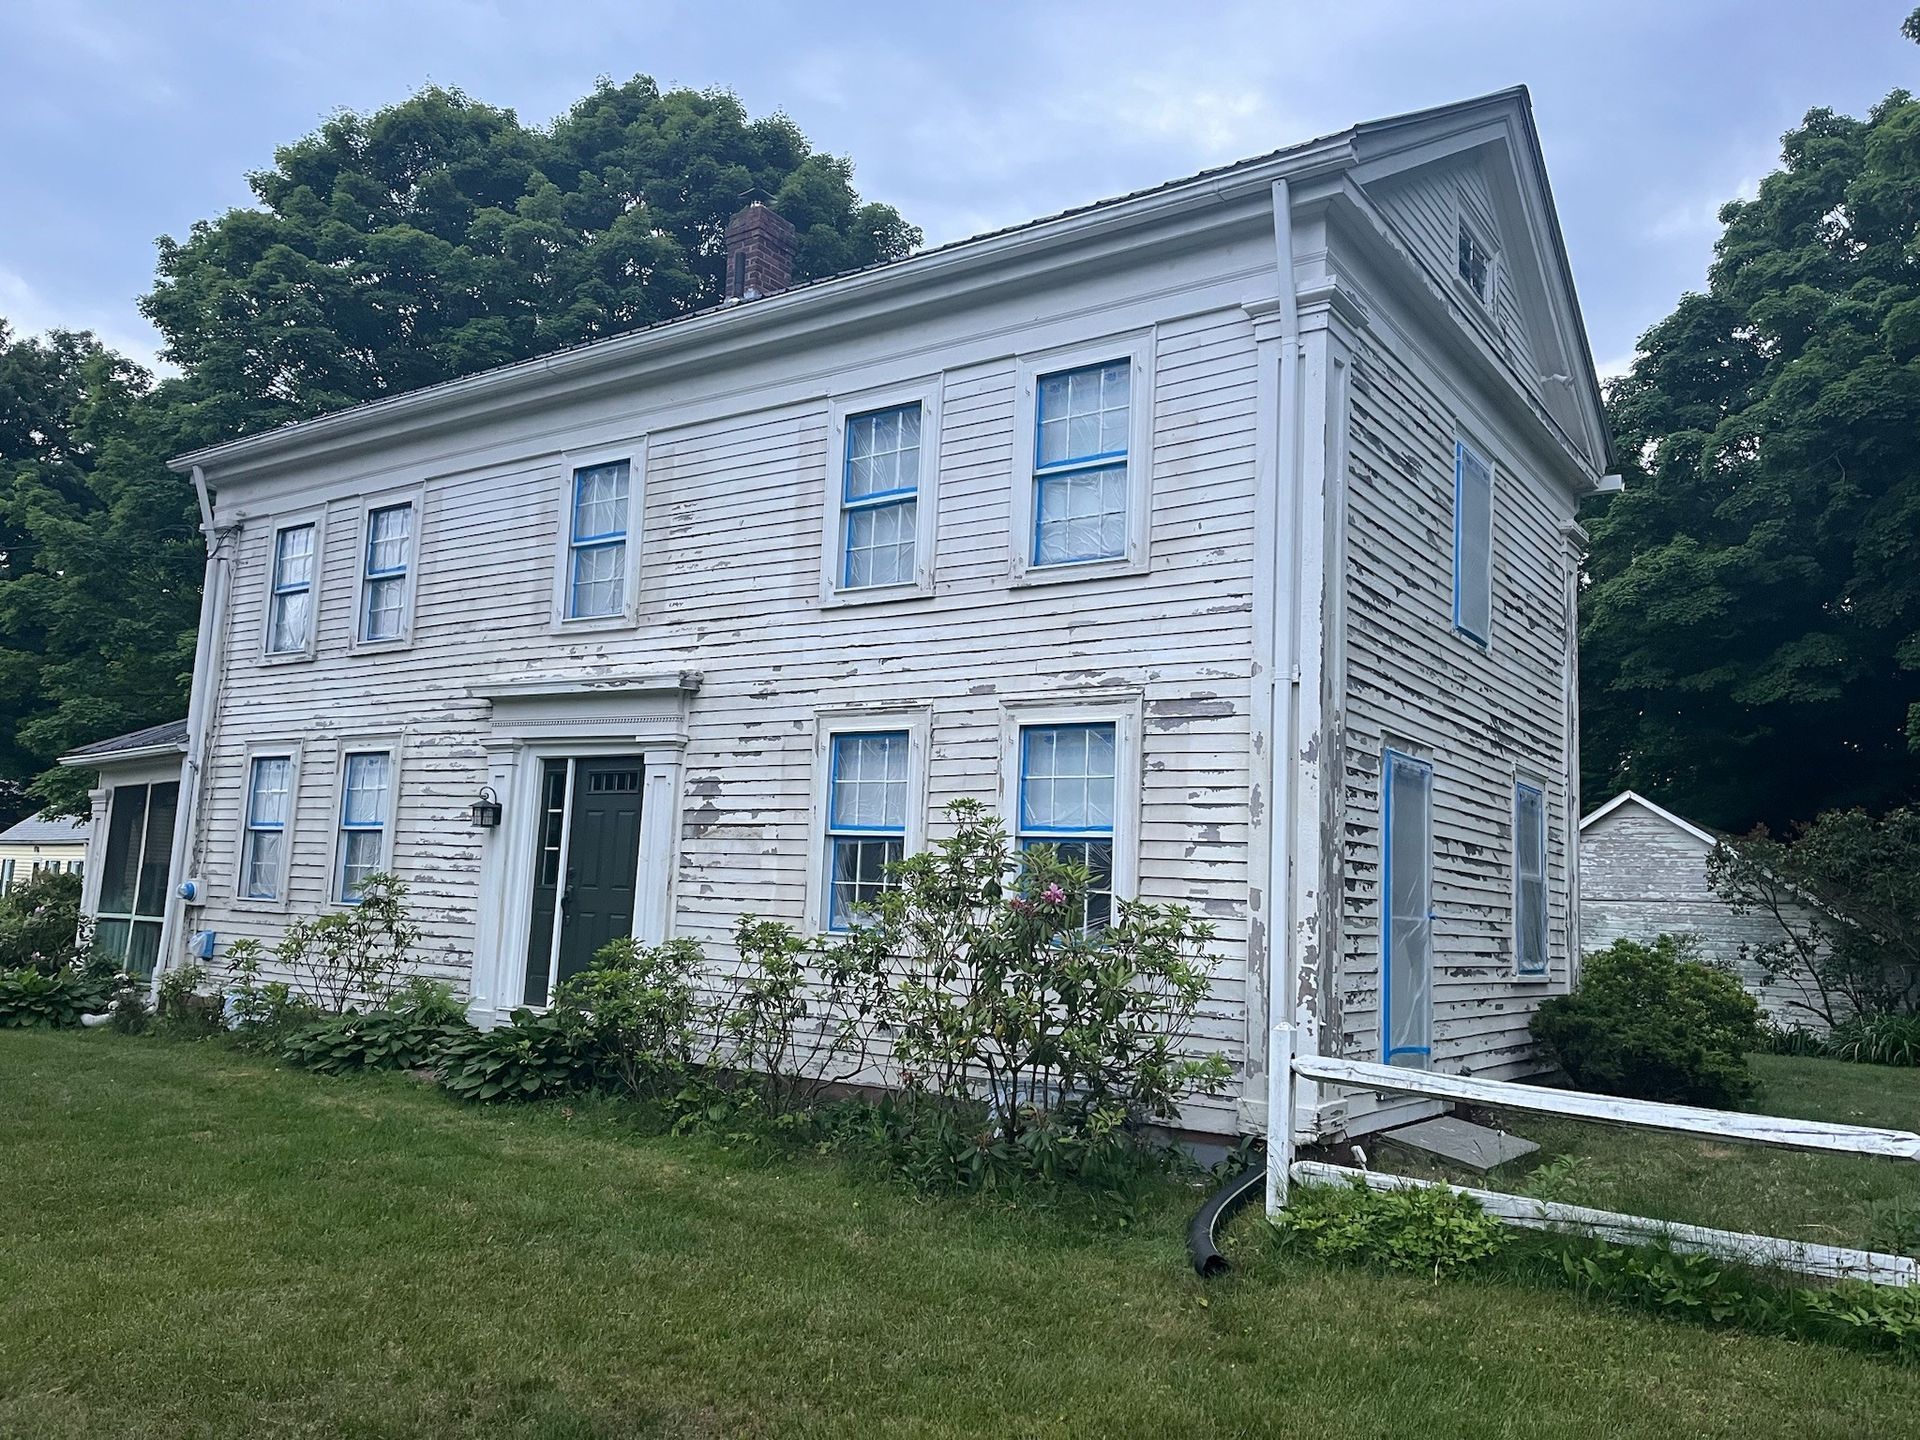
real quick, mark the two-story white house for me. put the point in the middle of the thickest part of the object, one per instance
(1223, 532)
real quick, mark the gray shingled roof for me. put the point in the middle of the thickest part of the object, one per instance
(173, 732)
(44, 830)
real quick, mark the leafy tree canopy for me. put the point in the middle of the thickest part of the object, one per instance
(1750, 633)
(441, 236)
(431, 239)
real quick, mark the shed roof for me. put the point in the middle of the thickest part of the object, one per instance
(1633, 797)
(171, 735)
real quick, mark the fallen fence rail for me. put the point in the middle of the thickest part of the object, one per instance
(1802, 1257)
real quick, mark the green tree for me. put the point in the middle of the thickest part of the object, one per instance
(441, 236)
(425, 241)
(1750, 631)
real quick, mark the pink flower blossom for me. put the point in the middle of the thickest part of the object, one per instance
(1054, 895)
(1019, 904)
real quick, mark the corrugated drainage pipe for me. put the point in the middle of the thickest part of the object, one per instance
(1206, 1256)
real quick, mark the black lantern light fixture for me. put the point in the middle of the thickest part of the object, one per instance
(486, 810)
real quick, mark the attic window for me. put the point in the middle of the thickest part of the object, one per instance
(1476, 263)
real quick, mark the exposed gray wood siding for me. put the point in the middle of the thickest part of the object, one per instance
(1483, 717)
(1642, 877)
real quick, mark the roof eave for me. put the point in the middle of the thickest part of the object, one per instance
(722, 328)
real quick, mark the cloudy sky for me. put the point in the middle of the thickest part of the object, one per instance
(121, 120)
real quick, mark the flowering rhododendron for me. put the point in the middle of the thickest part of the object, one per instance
(1054, 895)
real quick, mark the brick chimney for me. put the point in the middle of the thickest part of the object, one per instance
(760, 249)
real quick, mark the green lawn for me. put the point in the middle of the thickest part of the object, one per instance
(200, 1244)
(1827, 1199)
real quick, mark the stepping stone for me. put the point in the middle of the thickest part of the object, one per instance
(1461, 1142)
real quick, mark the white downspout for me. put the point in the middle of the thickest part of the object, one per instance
(1285, 680)
(213, 609)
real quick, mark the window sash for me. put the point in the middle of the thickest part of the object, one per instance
(1082, 424)
(386, 568)
(366, 797)
(1530, 918)
(1472, 543)
(871, 555)
(290, 608)
(1102, 733)
(264, 846)
(1407, 911)
(858, 849)
(597, 558)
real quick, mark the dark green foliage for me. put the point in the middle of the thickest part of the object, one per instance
(31, 998)
(40, 923)
(1750, 632)
(1651, 1022)
(1885, 1039)
(1430, 1230)
(132, 1014)
(440, 236)
(534, 1057)
(1790, 1040)
(638, 1012)
(1844, 894)
(413, 1031)
(420, 243)
(263, 1017)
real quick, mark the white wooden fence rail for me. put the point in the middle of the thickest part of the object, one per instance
(1801, 1257)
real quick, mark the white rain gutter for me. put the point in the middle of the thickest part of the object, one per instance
(213, 609)
(1284, 678)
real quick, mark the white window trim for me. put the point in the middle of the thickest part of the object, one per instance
(1137, 348)
(1126, 712)
(389, 743)
(267, 749)
(1482, 451)
(634, 452)
(926, 392)
(293, 520)
(415, 496)
(917, 721)
(1531, 781)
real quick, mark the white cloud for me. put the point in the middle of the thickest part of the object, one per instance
(30, 312)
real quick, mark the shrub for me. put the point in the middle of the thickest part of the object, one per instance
(30, 998)
(1652, 1022)
(262, 1017)
(411, 1032)
(186, 1010)
(1429, 1229)
(1889, 1038)
(353, 956)
(535, 1057)
(637, 1014)
(131, 1014)
(40, 927)
(1005, 997)
(1790, 1040)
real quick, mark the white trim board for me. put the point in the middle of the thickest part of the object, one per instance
(1705, 837)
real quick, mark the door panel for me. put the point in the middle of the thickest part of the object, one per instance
(586, 863)
(603, 859)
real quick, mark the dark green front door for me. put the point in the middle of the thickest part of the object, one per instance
(585, 866)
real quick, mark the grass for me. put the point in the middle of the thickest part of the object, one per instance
(1827, 1199)
(199, 1244)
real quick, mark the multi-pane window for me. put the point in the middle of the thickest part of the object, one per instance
(1407, 897)
(597, 541)
(1067, 801)
(1530, 879)
(364, 796)
(1472, 543)
(290, 608)
(389, 564)
(880, 497)
(866, 819)
(263, 849)
(1476, 263)
(1082, 420)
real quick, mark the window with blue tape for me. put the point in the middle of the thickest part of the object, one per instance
(880, 497)
(1082, 424)
(866, 820)
(1067, 801)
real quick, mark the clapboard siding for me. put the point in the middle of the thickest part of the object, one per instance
(728, 573)
(1484, 717)
(1641, 877)
(1426, 207)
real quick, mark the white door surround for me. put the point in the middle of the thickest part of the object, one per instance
(537, 718)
